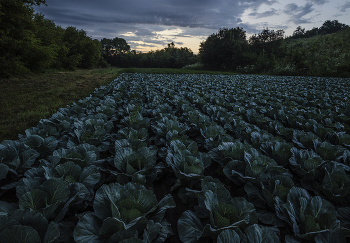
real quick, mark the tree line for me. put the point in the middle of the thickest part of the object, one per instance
(31, 43)
(270, 51)
(117, 53)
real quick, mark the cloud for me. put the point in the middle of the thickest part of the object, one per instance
(146, 21)
(318, 2)
(143, 19)
(296, 13)
(255, 4)
(345, 7)
(182, 13)
(269, 13)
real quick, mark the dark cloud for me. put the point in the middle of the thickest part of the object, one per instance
(255, 4)
(183, 13)
(345, 7)
(180, 13)
(142, 20)
(318, 2)
(269, 13)
(296, 13)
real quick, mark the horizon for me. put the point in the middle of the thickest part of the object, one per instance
(151, 25)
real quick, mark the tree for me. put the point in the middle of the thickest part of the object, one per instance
(299, 32)
(266, 35)
(34, 2)
(81, 50)
(313, 32)
(17, 30)
(112, 50)
(224, 50)
(114, 46)
(329, 27)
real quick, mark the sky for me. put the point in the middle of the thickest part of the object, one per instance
(152, 24)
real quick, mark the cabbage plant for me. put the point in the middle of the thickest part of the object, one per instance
(136, 163)
(15, 157)
(308, 216)
(223, 211)
(18, 225)
(123, 212)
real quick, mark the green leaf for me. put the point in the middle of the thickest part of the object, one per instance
(52, 233)
(6, 221)
(49, 210)
(28, 157)
(310, 224)
(261, 234)
(7, 208)
(189, 227)
(69, 170)
(139, 179)
(243, 209)
(128, 215)
(122, 235)
(218, 188)
(19, 234)
(254, 195)
(292, 239)
(34, 141)
(3, 171)
(320, 206)
(123, 151)
(151, 232)
(78, 194)
(33, 219)
(144, 200)
(90, 176)
(110, 226)
(228, 236)
(270, 218)
(166, 203)
(221, 220)
(343, 214)
(34, 199)
(105, 200)
(327, 151)
(87, 229)
(57, 190)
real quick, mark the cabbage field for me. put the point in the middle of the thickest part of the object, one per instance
(185, 158)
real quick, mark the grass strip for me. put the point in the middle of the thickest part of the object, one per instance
(24, 101)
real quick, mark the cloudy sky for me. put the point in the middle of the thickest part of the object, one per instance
(152, 24)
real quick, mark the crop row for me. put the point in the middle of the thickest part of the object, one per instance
(163, 158)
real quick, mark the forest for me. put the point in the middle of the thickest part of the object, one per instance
(322, 51)
(32, 43)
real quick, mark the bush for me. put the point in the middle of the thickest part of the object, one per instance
(196, 66)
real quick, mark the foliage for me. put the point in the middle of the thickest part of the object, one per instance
(260, 159)
(168, 57)
(318, 52)
(224, 50)
(32, 43)
(320, 55)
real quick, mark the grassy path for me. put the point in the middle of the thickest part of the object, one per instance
(24, 101)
